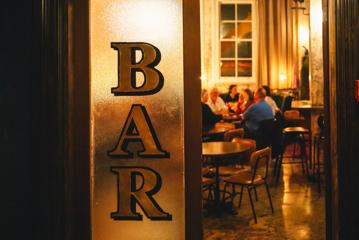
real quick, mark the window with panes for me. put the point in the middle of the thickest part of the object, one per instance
(236, 40)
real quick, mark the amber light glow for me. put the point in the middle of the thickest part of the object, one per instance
(152, 18)
(159, 23)
(303, 35)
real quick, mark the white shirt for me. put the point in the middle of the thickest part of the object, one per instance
(218, 106)
(272, 103)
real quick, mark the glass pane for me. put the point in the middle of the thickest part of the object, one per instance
(227, 12)
(244, 30)
(228, 69)
(227, 30)
(227, 49)
(244, 50)
(244, 68)
(244, 12)
(159, 23)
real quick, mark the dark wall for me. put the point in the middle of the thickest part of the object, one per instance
(28, 130)
(348, 116)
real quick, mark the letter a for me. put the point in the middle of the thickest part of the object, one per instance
(138, 128)
(128, 67)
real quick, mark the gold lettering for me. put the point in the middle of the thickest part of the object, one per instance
(137, 185)
(138, 128)
(128, 67)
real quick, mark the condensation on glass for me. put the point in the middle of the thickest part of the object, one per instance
(158, 22)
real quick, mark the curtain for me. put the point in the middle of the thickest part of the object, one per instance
(277, 60)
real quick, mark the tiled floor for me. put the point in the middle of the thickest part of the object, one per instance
(299, 212)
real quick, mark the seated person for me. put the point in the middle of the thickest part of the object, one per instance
(216, 103)
(231, 98)
(246, 99)
(209, 119)
(257, 113)
(270, 100)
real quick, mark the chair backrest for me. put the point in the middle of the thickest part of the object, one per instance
(287, 103)
(260, 159)
(235, 133)
(291, 114)
(264, 134)
(278, 99)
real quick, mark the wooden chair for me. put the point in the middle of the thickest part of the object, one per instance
(208, 185)
(236, 135)
(251, 180)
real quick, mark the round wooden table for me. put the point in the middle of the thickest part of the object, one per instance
(218, 151)
(218, 129)
(231, 118)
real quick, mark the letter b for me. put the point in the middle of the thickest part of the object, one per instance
(128, 67)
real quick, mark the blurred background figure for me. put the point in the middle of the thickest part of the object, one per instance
(246, 99)
(255, 114)
(231, 97)
(209, 119)
(270, 100)
(216, 103)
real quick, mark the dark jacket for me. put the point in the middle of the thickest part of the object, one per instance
(209, 119)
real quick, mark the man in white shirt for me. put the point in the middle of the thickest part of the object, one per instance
(270, 100)
(216, 103)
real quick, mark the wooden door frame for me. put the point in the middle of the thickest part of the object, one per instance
(341, 53)
(73, 18)
(65, 49)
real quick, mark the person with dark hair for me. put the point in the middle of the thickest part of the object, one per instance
(257, 113)
(270, 100)
(209, 119)
(232, 96)
(246, 99)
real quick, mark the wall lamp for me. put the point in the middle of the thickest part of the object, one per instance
(300, 5)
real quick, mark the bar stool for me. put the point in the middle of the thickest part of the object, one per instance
(295, 135)
(319, 141)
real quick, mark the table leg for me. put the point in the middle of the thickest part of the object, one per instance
(217, 190)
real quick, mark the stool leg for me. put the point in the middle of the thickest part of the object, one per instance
(279, 167)
(252, 205)
(241, 197)
(224, 192)
(255, 193)
(275, 166)
(318, 164)
(269, 197)
(302, 150)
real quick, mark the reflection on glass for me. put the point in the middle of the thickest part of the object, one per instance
(228, 68)
(244, 11)
(227, 30)
(227, 12)
(244, 30)
(227, 49)
(244, 49)
(244, 68)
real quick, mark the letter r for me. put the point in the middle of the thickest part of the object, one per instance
(137, 186)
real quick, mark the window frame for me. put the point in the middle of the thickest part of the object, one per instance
(217, 48)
